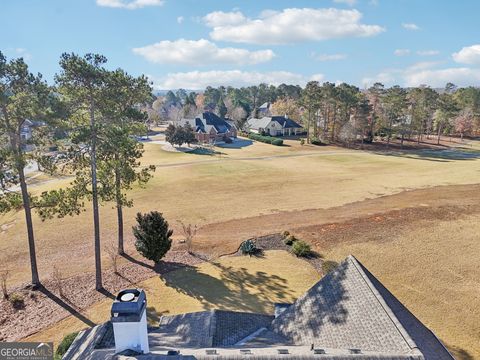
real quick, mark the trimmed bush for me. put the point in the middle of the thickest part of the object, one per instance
(301, 248)
(285, 233)
(289, 240)
(329, 266)
(265, 139)
(317, 142)
(65, 345)
(153, 235)
(248, 247)
(302, 141)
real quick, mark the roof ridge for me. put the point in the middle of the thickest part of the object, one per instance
(403, 332)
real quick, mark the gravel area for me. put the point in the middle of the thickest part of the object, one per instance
(45, 306)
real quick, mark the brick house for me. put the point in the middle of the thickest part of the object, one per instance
(209, 127)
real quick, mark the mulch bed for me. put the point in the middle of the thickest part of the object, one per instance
(45, 306)
(275, 242)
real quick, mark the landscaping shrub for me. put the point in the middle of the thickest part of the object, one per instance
(289, 240)
(329, 266)
(153, 235)
(266, 139)
(65, 345)
(248, 247)
(316, 141)
(17, 300)
(285, 233)
(301, 248)
(302, 141)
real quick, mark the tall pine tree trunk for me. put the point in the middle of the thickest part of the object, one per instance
(118, 195)
(19, 164)
(28, 220)
(96, 218)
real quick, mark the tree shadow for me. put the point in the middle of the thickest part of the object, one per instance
(445, 155)
(66, 306)
(237, 144)
(322, 306)
(459, 353)
(160, 268)
(106, 293)
(234, 288)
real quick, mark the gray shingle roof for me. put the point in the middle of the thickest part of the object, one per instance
(349, 308)
(346, 310)
(215, 328)
(263, 122)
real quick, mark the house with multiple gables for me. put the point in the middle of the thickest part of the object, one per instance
(274, 126)
(209, 127)
(347, 315)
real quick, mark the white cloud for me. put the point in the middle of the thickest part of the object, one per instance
(438, 78)
(348, 2)
(220, 18)
(317, 77)
(411, 26)
(468, 55)
(289, 26)
(401, 52)
(329, 57)
(129, 4)
(196, 80)
(426, 73)
(200, 52)
(23, 53)
(428, 52)
(180, 19)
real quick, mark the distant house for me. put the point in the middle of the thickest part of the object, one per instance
(26, 131)
(209, 127)
(264, 109)
(347, 315)
(274, 126)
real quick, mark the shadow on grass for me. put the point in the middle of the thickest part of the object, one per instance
(237, 144)
(446, 155)
(66, 306)
(459, 353)
(233, 289)
(161, 268)
(206, 151)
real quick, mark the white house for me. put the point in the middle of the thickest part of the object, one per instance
(274, 126)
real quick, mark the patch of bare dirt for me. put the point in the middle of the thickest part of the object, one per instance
(225, 237)
(379, 227)
(45, 306)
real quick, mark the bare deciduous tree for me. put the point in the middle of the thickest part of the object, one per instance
(112, 251)
(4, 274)
(189, 232)
(58, 280)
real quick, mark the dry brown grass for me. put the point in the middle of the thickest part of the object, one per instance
(432, 267)
(235, 283)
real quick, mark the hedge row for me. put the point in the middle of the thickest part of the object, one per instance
(266, 139)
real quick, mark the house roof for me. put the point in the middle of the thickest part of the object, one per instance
(205, 121)
(348, 314)
(215, 328)
(263, 122)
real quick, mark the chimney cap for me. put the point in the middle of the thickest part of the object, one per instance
(129, 305)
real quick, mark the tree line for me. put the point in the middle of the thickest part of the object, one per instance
(90, 118)
(345, 113)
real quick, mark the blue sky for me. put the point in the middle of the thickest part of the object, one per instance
(194, 43)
